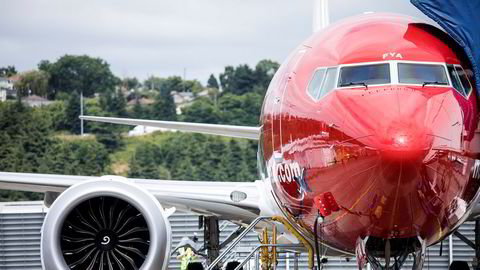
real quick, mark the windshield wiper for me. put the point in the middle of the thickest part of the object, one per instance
(354, 83)
(435, 82)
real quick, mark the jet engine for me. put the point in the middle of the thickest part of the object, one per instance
(108, 223)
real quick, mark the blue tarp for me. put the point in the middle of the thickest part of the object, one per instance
(461, 20)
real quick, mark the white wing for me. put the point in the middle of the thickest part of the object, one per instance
(252, 133)
(236, 201)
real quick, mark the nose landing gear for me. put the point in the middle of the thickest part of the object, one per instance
(394, 252)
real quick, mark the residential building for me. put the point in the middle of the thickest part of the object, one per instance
(36, 101)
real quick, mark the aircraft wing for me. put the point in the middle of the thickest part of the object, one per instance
(245, 132)
(235, 201)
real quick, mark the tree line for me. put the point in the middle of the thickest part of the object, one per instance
(42, 140)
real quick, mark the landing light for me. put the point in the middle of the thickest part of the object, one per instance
(401, 139)
(238, 196)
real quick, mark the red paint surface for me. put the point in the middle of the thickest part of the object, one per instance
(398, 159)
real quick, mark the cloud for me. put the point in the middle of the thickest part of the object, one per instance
(141, 38)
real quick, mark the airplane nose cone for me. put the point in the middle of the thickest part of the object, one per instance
(403, 138)
(399, 121)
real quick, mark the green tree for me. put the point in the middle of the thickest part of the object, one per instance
(201, 111)
(239, 80)
(193, 86)
(139, 111)
(131, 83)
(252, 106)
(153, 83)
(163, 173)
(145, 163)
(72, 112)
(72, 73)
(231, 107)
(251, 149)
(174, 150)
(185, 170)
(108, 135)
(25, 137)
(172, 83)
(55, 114)
(243, 79)
(164, 107)
(212, 82)
(77, 157)
(7, 71)
(33, 82)
(264, 72)
(114, 103)
(236, 159)
(215, 156)
(240, 110)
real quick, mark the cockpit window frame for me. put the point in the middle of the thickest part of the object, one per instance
(394, 76)
(465, 94)
(319, 93)
(364, 64)
(444, 65)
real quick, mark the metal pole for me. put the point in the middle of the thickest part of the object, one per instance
(287, 261)
(274, 249)
(477, 245)
(295, 261)
(257, 261)
(235, 242)
(184, 78)
(250, 255)
(81, 112)
(212, 238)
(450, 249)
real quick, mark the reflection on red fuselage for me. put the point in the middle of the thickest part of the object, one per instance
(398, 158)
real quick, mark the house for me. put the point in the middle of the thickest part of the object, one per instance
(9, 84)
(182, 100)
(141, 101)
(6, 88)
(182, 97)
(204, 93)
(6, 83)
(36, 101)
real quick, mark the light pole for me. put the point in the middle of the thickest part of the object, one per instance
(81, 112)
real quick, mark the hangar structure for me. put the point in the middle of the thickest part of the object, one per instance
(21, 222)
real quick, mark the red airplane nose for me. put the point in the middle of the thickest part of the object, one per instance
(400, 121)
(403, 139)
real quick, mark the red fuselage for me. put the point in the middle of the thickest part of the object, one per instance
(398, 156)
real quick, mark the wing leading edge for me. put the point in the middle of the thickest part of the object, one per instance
(245, 132)
(209, 198)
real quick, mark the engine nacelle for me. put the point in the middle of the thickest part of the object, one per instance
(105, 224)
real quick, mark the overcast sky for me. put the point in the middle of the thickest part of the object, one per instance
(162, 37)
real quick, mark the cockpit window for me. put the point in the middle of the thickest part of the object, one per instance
(467, 87)
(323, 81)
(459, 80)
(329, 83)
(422, 74)
(316, 82)
(364, 75)
(457, 84)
